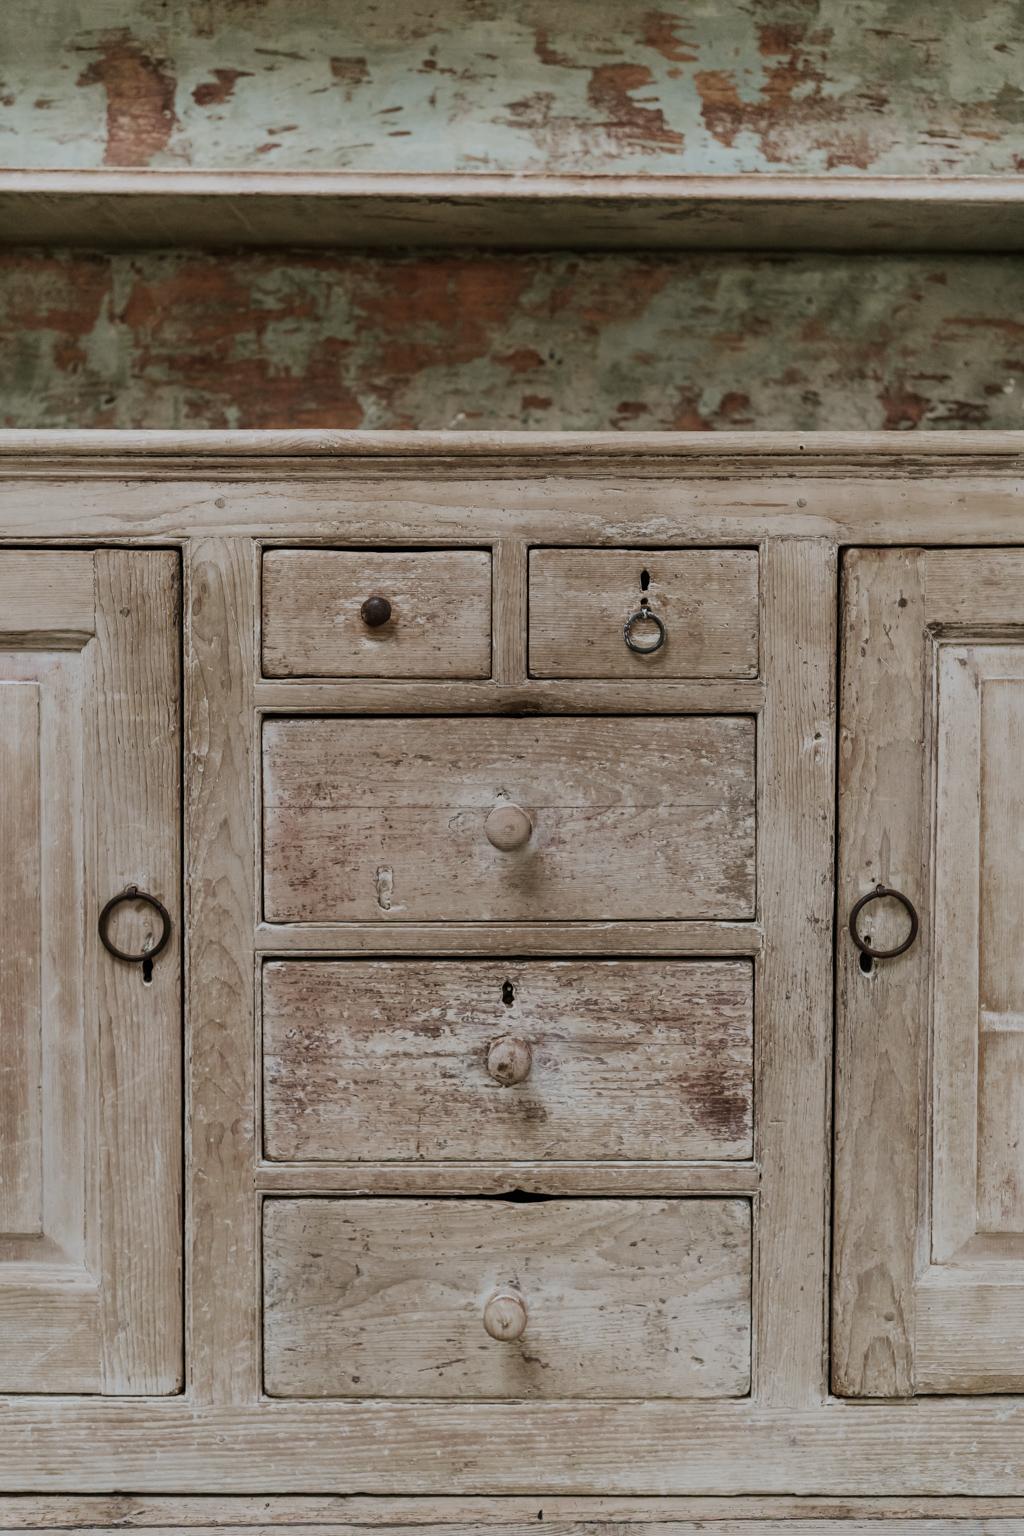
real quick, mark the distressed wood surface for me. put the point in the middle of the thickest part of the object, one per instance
(707, 342)
(388, 1060)
(879, 1022)
(569, 86)
(580, 600)
(332, 210)
(91, 1279)
(551, 1177)
(135, 796)
(793, 1004)
(384, 820)
(440, 624)
(220, 643)
(21, 1024)
(625, 1298)
(565, 1516)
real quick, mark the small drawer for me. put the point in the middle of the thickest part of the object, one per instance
(455, 1061)
(366, 613)
(398, 820)
(689, 613)
(497, 1299)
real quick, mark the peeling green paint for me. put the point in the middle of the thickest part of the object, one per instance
(887, 86)
(464, 340)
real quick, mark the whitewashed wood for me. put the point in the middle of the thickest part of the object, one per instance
(21, 1132)
(551, 1177)
(580, 600)
(223, 1317)
(625, 1298)
(960, 488)
(383, 820)
(519, 695)
(47, 602)
(796, 776)
(879, 1060)
(981, 590)
(389, 1060)
(339, 1514)
(482, 938)
(440, 623)
(134, 793)
(43, 206)
(91, 1298)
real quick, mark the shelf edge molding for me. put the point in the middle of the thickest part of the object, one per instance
(211, 209)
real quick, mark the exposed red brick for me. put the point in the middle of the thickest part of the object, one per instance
(611, 90)
(140, 89)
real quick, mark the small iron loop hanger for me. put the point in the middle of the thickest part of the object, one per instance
(132, 893)
(880, 891)
(644, 615)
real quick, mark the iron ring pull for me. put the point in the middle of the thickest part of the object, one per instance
(646, 616)
(876, 895)
(132, 893)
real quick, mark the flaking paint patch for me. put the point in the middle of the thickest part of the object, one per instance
(889, 86)
(696, 341)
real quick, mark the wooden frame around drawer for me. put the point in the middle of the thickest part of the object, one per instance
(801, 500)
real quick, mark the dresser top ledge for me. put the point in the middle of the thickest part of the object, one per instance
(317, 444)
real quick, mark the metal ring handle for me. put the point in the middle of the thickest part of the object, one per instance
(132, 893)
(648, 617)
(876, 895)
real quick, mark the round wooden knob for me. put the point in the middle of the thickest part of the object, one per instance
(505, 1315)
(508, 827)
(509, 1060)
(375, 612)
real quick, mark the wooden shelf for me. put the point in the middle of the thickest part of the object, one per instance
(244, 208)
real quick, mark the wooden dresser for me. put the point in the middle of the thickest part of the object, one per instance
(511, 980)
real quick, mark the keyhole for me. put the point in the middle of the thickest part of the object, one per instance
(867, 963)
(147, 972)
(645, 580)
(508, 994)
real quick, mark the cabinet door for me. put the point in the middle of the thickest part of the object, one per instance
(929, 1113)
(90, 1046)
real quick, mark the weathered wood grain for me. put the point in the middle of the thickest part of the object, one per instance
(440, 624)
(625, 1298)
(580, 600)
(796, 776)
(21, 924)
(879, 1060)
(384, 820)
(134, 793)
(220, 640)
(387, 1060)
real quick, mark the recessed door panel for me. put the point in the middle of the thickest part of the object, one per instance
(90, 1047)
(929, 1251)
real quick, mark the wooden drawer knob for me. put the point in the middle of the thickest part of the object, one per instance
(508, 827)
(375, 612)
(509, 1060)
(505, 1315)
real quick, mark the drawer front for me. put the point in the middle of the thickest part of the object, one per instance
(361, 613)
(393, 1060)
(588, 1298)
(555, 819)
(582, 599)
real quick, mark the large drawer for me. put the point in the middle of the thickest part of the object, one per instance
(454, 1061)
(643, 613)
(377, 613)
(508, 819)
(500, 1299)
